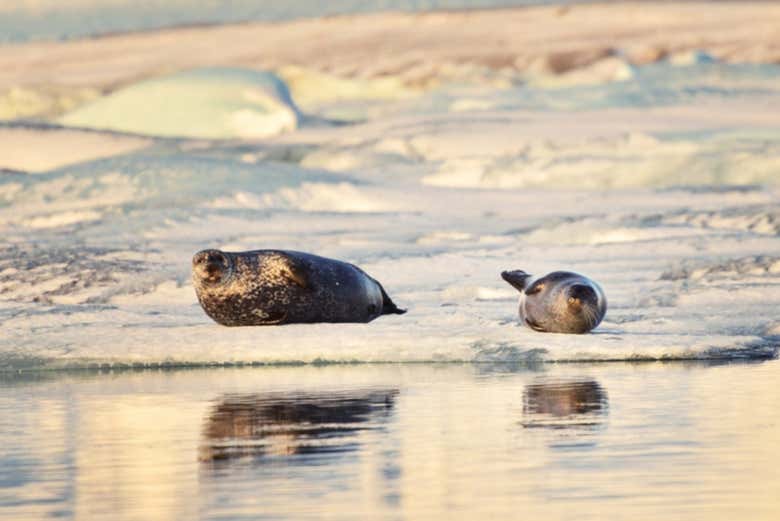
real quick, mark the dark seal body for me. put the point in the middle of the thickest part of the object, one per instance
(268, 287)
(559, 302)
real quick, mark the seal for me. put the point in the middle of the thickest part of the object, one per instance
(559, 302)
(269, 287)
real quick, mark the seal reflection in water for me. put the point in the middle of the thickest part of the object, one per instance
(560, 405)
(559, 302)
(255, 426)
(267, 287)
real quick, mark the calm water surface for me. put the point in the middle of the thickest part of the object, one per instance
(604, 441)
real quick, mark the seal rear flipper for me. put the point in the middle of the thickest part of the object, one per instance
(517, 278)
(388, 306)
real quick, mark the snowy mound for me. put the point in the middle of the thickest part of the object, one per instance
(216, 103)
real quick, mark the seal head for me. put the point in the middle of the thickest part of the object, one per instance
(559, 302)
(212, 267)
(267, 287)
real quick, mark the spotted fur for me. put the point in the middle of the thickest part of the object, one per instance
(269, 287)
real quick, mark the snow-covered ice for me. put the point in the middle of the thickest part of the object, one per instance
(660, 181)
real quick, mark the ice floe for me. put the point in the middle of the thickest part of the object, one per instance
(208, 103)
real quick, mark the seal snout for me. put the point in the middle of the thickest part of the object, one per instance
(583, 303)
(581, 295)
(211, 266)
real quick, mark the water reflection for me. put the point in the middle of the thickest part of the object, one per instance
(284, 424)
(564, 404)
(450, 445)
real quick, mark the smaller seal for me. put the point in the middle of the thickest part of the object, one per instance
(269, 287)
(559, 302)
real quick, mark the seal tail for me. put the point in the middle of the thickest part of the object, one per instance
(388, 306)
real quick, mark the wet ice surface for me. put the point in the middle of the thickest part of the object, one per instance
(668, 198)
(675, 440)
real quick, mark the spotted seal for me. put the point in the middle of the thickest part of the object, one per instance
(267, 287)
(559, 302)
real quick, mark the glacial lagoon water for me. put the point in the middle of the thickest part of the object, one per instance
(674, 440)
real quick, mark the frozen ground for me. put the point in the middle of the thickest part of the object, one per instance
(659, 180)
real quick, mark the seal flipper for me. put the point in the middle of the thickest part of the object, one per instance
(388, 306)
(517, 278)
(297, 272)
(274, 319)
(534, 325)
